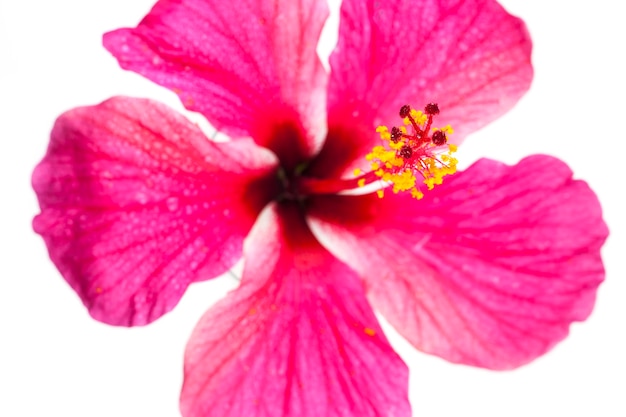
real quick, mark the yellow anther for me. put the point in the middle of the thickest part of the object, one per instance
(380, 193)
(419, 117)
(448, 129)
(384, 132)
(361, 182)
(369, 332)
(415, 193)
(403, 181)
(397, 162)
(357, 172)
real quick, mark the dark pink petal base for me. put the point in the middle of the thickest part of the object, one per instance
(489, 269)
(296, 339)
(136, 203)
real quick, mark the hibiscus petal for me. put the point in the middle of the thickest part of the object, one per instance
(251, 68)
(297, 338)
(136, 204)
(470, 57)
(489, 269)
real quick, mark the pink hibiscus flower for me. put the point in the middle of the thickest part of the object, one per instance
(488, 269)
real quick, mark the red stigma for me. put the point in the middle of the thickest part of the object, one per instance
(405, 152)
(431, 109)
(405, 111)
(395, 134)
(439, 138)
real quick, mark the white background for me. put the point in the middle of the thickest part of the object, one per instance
(56, 361)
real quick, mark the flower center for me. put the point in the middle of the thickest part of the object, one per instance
(409, 155)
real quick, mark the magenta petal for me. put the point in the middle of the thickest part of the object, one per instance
(296, 339)
(251, 68)
(136, 204)
(471, 57)
(489, 269)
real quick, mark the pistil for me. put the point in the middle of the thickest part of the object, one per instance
(310, 186)
(406, 159)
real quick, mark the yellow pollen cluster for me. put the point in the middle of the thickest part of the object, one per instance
(419, 117)
(407, 157)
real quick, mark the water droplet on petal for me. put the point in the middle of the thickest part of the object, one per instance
(142, 198)
(172, 203)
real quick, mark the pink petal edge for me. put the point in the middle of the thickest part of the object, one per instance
(296, 339)
(489, 269)
(136, 204)
(252, 70)
(471, 57)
